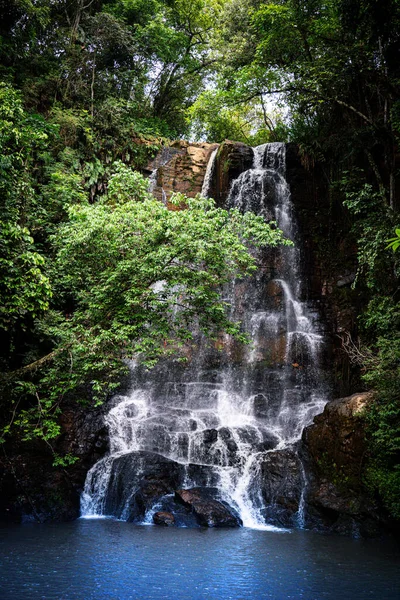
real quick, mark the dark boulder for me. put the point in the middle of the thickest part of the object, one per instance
(281, 486)
(208, 511)
(225, 435)
(269, 442)
(334, 448)
(210, 436)
(143, 481)
(138, 480)
(163, 518)
(32, 488)
(260, 406)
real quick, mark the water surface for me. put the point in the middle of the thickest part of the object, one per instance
(107, 559)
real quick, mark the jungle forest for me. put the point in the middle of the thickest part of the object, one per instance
(108, 291)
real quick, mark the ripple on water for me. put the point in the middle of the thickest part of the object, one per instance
(103, 559)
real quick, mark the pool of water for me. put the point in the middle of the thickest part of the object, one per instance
(106, 559)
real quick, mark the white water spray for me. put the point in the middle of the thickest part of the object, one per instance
(227, 419)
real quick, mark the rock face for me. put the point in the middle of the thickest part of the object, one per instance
(138, 481)
(144, 481)
(282, 484)
(329, 257)
(232, 159)
(208, 511)
(32, 489)
(180, 167)
(335, 448)
(163, 518)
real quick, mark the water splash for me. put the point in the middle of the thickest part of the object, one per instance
(226, 412)
(205, 190)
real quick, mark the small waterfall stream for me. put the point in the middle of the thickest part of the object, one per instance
(231, 419)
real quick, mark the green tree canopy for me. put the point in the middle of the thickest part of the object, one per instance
(130, 279)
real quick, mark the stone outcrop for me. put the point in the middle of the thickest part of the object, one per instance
(32, 489)
(163, 518)
(282, 484)
(232, 159)
(143, 481)
(138, 481)
(180, 167)
(334, 452)
(209, 512)
(329, 258)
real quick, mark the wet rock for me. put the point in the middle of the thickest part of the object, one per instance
(208, 511)
(337, 436)
(204, 475)
(335, 448)
(183, 516)
(281, 486)
(269, 442)
(274, 291)
(260, 406)
(31, 488)
(225, 433)
(232, 159)
(210, 436)
(141, 481)
(232, 446)
(164, 518)
(181, 168)
(346, 280)
(138, 480)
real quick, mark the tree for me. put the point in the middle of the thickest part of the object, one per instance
(332, 62)
(25, 289)
(216, 116)
(151, 57)
(130, 279)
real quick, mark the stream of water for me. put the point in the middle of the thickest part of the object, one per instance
(230, 420)
(230, 416)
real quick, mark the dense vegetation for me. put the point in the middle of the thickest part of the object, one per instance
(90, 90)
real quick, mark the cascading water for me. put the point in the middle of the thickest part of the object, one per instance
(209, 173)
(231, 419)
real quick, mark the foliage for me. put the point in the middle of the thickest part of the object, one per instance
(127, 60)
(131, 278)
(25, 289)
(379, 324)
(371, 227)
(216, 116)
(383, 374)
(394, 242)
(332, 63)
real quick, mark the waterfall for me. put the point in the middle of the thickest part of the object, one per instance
(160, 161)
(230, 419)
(205, 190)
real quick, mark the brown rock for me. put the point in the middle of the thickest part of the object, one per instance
(208, 511)
(336, 446)
(232, 159)
(282, 480)
(164, 518)
(275, 292)
(181, 168)
(337, 435)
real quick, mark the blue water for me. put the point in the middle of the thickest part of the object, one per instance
(105, 559)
